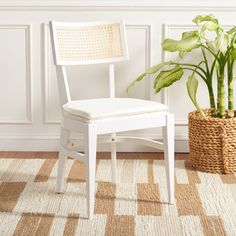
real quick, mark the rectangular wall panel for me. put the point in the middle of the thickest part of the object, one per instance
(15, 81)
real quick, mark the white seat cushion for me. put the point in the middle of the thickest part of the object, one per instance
(111, 107)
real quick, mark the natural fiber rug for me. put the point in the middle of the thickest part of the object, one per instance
(136, 205)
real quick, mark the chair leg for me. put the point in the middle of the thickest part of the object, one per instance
(113, 158)
(91, 147)
(65, 134)
(168, 140)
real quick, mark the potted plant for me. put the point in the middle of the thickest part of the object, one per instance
(212, 131)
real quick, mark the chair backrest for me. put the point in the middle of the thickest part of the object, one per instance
(87, 43)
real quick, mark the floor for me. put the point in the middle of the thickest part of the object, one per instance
(100, 155)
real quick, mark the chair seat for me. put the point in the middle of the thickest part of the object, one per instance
(111, 107)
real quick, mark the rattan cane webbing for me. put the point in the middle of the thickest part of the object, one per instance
(82, 43)
(212, 143)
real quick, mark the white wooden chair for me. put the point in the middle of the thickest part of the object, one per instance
(94, 43)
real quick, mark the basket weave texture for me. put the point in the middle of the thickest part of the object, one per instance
(212, 143)
(83, 43)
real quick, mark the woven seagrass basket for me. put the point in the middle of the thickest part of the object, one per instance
(212, 143)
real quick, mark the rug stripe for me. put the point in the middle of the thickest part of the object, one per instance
(120, 225)
(27, 170)
(9, 172)
(209, 178)
(148, 199)
(71, 225)
(103, 173)
(181, 173)
(158, 225)
(233, 190)
(9, 195)
(159, 172)
(217, 199)
(140, 176)
(228, 179)
(212, 226)
(45, 170)
(94, 227)
(191, 225)
(38, 197)
(22, 170)
(150, 172)
(53, 175)
(77, 172)
(27, 225)
(8, 223)
(58, 225)
(74, 200)
(4, 166)
(119, 169)
(192, 173)
(105, 198)
(127, 175)
(187, 200)
(126, 199)
(229, 220)
(44, 224)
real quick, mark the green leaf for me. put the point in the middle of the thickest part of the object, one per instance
(156, 68)
(209, 26)
(222, 42)
(233, 40)
(181, 55)
(210, 45)
(150, 71)
(167, 77)
(192, 85)
(189, 34)
(232, 30)
(202, 18)
(140, 78)
(233, 53)
(189, 41)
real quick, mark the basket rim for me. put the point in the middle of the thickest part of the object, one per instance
(196, 115)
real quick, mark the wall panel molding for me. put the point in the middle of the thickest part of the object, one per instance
(148, 48)
(47, 58)
(27, 28)
(107, 5)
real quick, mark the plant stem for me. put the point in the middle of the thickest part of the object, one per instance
(230, 99)
(186, 68)
(209, 84)
(221, 93)
(230, 88)
(213, 53)
(205, 61)
(212, 100)
(192, 65)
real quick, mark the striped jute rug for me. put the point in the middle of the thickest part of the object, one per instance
(136, 205)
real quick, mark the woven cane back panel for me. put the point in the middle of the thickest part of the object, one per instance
(84, 43)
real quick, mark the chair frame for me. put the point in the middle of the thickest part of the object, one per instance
(92, 128)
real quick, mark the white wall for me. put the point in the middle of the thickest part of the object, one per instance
(29, 107)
